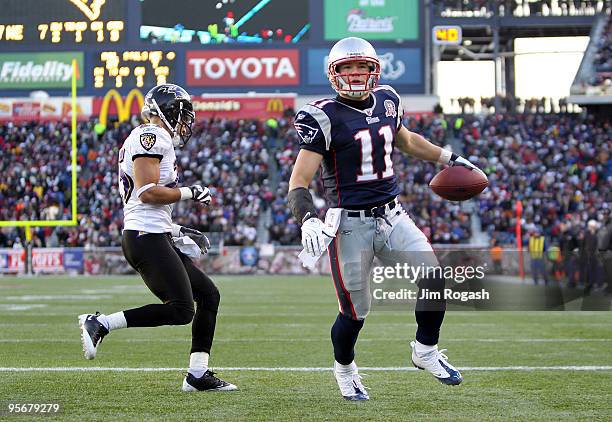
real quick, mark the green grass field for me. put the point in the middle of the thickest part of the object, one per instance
(283, 322)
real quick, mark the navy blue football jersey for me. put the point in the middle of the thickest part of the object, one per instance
(356, 145)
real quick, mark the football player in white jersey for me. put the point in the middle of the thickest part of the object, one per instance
(148, 185)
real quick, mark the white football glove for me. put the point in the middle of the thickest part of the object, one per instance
(460, 161)
(313, 236)
(200, 194)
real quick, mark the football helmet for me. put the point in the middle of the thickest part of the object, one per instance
(172, 104)
(347, 50)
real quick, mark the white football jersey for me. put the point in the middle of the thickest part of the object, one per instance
(146, 141)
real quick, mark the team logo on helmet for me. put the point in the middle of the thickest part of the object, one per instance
(306, 133)
(147, 140)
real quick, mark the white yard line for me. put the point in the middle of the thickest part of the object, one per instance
(306, 369)
(316, 340)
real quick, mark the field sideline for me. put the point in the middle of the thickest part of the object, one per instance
(273, 342)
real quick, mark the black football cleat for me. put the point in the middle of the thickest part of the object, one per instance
(207, 382)
(92, 333)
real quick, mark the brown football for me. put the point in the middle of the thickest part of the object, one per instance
(458, 183)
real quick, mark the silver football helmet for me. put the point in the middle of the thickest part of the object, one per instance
(347, 50)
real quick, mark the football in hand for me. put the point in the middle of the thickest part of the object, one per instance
(458, 183)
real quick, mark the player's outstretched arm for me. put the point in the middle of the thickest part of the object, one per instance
(414, 144)
(146, 173)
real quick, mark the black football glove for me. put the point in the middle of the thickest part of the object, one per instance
(200, 194)
(198, 237)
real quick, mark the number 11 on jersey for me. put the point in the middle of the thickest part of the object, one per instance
(367, 154)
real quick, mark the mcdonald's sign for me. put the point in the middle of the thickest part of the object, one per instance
(275, 105)
(123, 107)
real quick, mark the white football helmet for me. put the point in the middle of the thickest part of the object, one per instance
(347, 50)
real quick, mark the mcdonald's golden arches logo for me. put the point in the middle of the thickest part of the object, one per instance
(123, 108)
(275, 105)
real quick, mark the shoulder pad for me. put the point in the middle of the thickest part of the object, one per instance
(388, 89)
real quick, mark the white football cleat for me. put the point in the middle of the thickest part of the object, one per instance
(436, 362)
(350, 385)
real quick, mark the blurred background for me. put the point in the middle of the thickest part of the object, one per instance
(523, 88)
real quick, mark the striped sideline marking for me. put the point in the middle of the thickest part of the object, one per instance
(306, 369)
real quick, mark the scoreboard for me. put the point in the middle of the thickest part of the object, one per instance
(62, 22)
(222, 46)
(145, 68)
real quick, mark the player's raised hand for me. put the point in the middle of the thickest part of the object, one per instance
(314, 236)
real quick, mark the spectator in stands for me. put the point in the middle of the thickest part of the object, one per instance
(590, 267)
(497, 255)
(537, 253)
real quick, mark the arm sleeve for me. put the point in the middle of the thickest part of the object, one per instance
(152, 142)
(312, 131)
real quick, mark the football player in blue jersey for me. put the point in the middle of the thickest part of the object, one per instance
(353, 137)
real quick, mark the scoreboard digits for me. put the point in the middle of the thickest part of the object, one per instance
(62, 22)
(112, 69)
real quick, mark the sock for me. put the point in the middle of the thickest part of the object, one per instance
(344, 335)
(113, 321)
(351, 368)
(422, 349)
(198, 363)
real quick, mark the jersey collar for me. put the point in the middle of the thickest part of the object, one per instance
(370, 104)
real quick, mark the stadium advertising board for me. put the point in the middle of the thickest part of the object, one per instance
(113, 104)
(20, 109)
(399, 66)
(39, 70)
(371, 19)
(227, 106)
(243, 67)
(243, 107)
(12, 260)
(49, 260)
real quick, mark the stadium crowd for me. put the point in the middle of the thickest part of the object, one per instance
(603, 59)
(559, 165)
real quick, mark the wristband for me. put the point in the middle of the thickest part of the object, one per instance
(176, 230)
(445, 156)
(144, 188)
(186, 193)
(301, 205)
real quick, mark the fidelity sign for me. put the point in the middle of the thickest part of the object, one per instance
(243, 67)
(38, 70)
